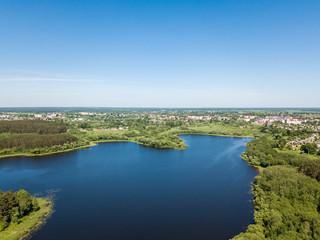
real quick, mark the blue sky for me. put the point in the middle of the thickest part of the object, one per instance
(244, 53)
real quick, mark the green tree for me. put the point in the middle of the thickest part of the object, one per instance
(25, 202)
(310, 148)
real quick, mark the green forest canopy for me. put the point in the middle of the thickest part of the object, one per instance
(286, 206)
(32, 126)
(14, 206)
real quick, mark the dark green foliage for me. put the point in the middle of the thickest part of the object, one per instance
(84, 125)
(105, 135)
(32, 126)
(25, 202)
(286, 201)
(289, 134)
(281, 143)
(310, 148)
(157, 138)
(14, 206)
(156, 143)
(261, 152)
(33, 136)
(311, 168)
(286, 206)
(8, 208)
(174, 123)
(33, 140)
(130, 134)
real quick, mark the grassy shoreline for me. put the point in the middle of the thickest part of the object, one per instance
(77, 148)
(45, 154)
(30, 223)
(66, 150)
(93, 143)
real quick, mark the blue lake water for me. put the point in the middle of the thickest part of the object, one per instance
(127, 191)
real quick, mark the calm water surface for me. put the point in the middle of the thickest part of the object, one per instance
(127, 191)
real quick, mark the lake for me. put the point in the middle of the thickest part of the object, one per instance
(128, 191)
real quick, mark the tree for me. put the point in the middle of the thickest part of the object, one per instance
(25, 202)
(310, 148)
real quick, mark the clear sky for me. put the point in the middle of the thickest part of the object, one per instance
(169, 53)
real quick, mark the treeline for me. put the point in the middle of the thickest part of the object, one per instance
(150, 136)
(14, 206)
(261, 152)
(157, 143)
(106, 135)
(187, 131)
(286, 133)
(286, 206)
(221, 129)
(33, 140)
(311, 169)
(286, 198)
(32, 126)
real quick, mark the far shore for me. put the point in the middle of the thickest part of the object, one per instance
(184, 146)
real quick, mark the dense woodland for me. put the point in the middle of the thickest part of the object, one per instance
(14, 206)
(32, 126)
(286, 206)
(33, 140)
(287, 193)
(32, 135)
(267, 151)
(262, 152)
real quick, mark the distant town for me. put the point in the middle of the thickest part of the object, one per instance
(158, 116)
(308, 121)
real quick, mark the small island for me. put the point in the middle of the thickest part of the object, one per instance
(21, 214)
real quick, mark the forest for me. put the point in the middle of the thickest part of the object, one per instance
(286, 206)
(33, 136)
(32, 126)
(262, 152)
(33, 140)
(287, 192)
(14, 206)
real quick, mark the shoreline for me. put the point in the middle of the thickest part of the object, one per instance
(30, 223)
(94, 143)
(215, 135)
(31, 230)
(258, 168)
